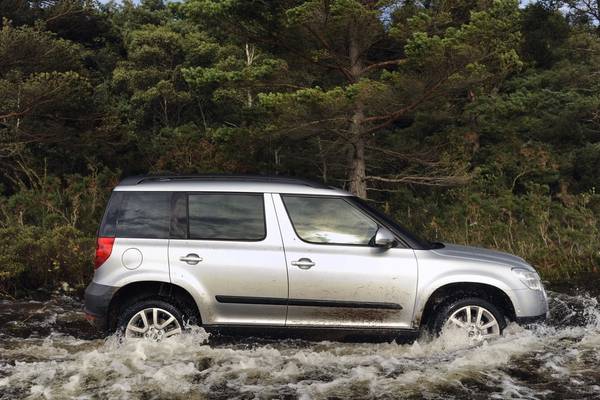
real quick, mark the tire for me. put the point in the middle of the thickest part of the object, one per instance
(157, 325)
(447, 310)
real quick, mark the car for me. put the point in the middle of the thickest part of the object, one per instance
(273, 254)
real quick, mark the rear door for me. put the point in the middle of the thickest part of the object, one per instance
(335, 277)
(226, 248)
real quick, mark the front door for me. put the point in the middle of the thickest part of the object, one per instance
(336, 278)
(226, 248)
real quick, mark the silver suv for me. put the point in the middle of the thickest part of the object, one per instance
(228, 252)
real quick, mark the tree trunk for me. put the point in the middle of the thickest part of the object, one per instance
(358, 184)
(249, 60)
(358, 170)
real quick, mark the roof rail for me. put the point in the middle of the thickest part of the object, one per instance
(136, 180)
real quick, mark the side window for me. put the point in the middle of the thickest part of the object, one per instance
(145, 215)
(226, 216)
(329, 220)
(108, 226)
(179, 215)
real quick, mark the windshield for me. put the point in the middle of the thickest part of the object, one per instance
(414, 240)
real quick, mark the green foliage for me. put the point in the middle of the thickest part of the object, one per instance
(33, 258)
(475, 122)
(20, 45)
(50, 109)
(561, 241)
(47, 230)
(586, 166)
(545, 31)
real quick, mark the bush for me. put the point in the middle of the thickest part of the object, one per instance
(47, 231)
(560, 238)
(33, 257)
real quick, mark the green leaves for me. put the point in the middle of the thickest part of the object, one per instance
(31, 50)
(488, 40)
(42, 85)
(459, 115)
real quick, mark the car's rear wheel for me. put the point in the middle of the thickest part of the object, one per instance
(151, 319)
(479, 319)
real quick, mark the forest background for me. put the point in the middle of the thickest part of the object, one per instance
(469, 121)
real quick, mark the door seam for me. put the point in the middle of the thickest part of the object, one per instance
(287, 273)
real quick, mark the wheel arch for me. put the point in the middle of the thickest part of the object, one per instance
(458, 290)
(137, 291)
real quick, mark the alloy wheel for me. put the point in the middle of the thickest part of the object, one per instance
(478, 323)
(153, 324)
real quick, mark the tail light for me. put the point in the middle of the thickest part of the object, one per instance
(104, 247)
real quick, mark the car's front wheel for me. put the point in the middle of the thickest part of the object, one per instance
(151, 319)
(477, 318)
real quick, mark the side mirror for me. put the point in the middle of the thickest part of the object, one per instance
(384, 238)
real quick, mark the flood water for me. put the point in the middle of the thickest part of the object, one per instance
(47, 350)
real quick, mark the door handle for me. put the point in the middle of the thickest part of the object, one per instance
(304, 263)
(191, 259)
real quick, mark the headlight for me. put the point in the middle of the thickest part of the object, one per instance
(530, 279)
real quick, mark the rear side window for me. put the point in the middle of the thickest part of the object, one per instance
(226, 216)
(144, 215)
(179, 216)
(108, 227)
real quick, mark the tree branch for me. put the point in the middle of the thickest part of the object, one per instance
(16, 113)
(417, 158)
(450, 180)
(330, 51)
(394, 116)
(70, 11)
(384, 64)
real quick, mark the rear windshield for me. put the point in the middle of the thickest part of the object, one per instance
(137, 215)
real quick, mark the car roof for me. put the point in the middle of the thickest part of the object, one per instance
(227, 183)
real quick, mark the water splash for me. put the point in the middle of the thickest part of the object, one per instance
(45, 352)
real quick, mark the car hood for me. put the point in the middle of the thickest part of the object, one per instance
(480, 254)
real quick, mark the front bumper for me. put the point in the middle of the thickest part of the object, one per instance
(529, 302)
(97, 301)
(531, 306)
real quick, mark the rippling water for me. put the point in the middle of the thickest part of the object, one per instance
(48, 351)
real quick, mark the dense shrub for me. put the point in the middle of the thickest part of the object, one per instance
(560, 239)
(33, 257)
(47, 231)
